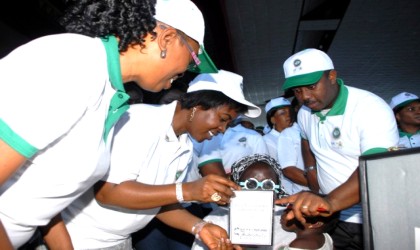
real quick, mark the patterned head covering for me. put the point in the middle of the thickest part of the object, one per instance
(239, 166)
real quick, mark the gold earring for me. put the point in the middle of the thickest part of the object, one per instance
(192, 114)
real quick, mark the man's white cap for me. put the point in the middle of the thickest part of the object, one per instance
(305, 68)
(402, 99)
(277, 103)
(229, 84)
(184, 15)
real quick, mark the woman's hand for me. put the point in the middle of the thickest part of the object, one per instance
(215, 237)
(211, 188)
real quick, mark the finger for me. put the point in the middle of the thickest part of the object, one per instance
(287, 199)
(225, 182)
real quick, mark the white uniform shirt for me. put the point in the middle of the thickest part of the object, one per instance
(271, 142)
(202, 155)
(57, 122)
(148, 152)
(290, 154)
(236, 143)
(359, 121)
(409, 140)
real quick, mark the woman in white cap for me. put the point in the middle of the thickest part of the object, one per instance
(406, 107)
(59, 141)
(148, 162)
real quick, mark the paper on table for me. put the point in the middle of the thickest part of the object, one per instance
(251, 217)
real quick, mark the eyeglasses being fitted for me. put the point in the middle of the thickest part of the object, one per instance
(253, 184)
(196, 61)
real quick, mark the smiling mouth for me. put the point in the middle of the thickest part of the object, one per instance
(211, 134)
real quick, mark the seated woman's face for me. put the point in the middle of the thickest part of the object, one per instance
(260, 176)
(208, 123)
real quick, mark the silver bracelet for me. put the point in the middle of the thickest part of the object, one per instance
(198, 226)
(178, 192)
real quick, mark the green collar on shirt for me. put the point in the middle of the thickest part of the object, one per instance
(119, 101)
(339, 105)
(402, 133)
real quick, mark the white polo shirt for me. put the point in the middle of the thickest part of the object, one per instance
(271, 142)
(409, 140)
(236, 143)
(358, 122)
(54, 101)
(290, 155)
(201, 157)
(146, 151)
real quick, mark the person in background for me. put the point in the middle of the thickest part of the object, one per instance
(144, 179)
(406, 107)
(278, 115)
(313, 234)
(289, 155)
(258, 168)
(64, 149)
(338, 124)
(245, 122)
(235, 143)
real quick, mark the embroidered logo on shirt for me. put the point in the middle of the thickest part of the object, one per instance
(336, 133)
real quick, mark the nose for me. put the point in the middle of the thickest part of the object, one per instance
(222, 128)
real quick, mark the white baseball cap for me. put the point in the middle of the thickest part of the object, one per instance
(184, 15)
(229, 84)
(277, 103)
(402, 99)
(305, 68)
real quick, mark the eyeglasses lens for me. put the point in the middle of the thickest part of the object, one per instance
(268, 185)
(251, 184)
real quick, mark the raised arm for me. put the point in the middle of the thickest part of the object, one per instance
(136, 195)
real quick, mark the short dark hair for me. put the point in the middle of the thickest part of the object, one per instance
(208, 99)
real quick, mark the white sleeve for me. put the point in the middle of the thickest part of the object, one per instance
(286, 152)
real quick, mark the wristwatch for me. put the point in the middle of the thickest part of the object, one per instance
(310, 168)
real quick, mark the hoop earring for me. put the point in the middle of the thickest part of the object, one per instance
(192, 114)
(163, 54)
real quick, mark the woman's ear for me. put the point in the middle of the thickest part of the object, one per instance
(166, 36)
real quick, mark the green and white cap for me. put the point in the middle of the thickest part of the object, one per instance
(402, 100)
(305, 68)
(184, 15)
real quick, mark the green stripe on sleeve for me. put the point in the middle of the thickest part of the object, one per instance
(375, 151)
(15, 141)
(209, 161)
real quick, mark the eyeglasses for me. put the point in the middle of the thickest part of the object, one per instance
(253, 184)
(194, 56)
